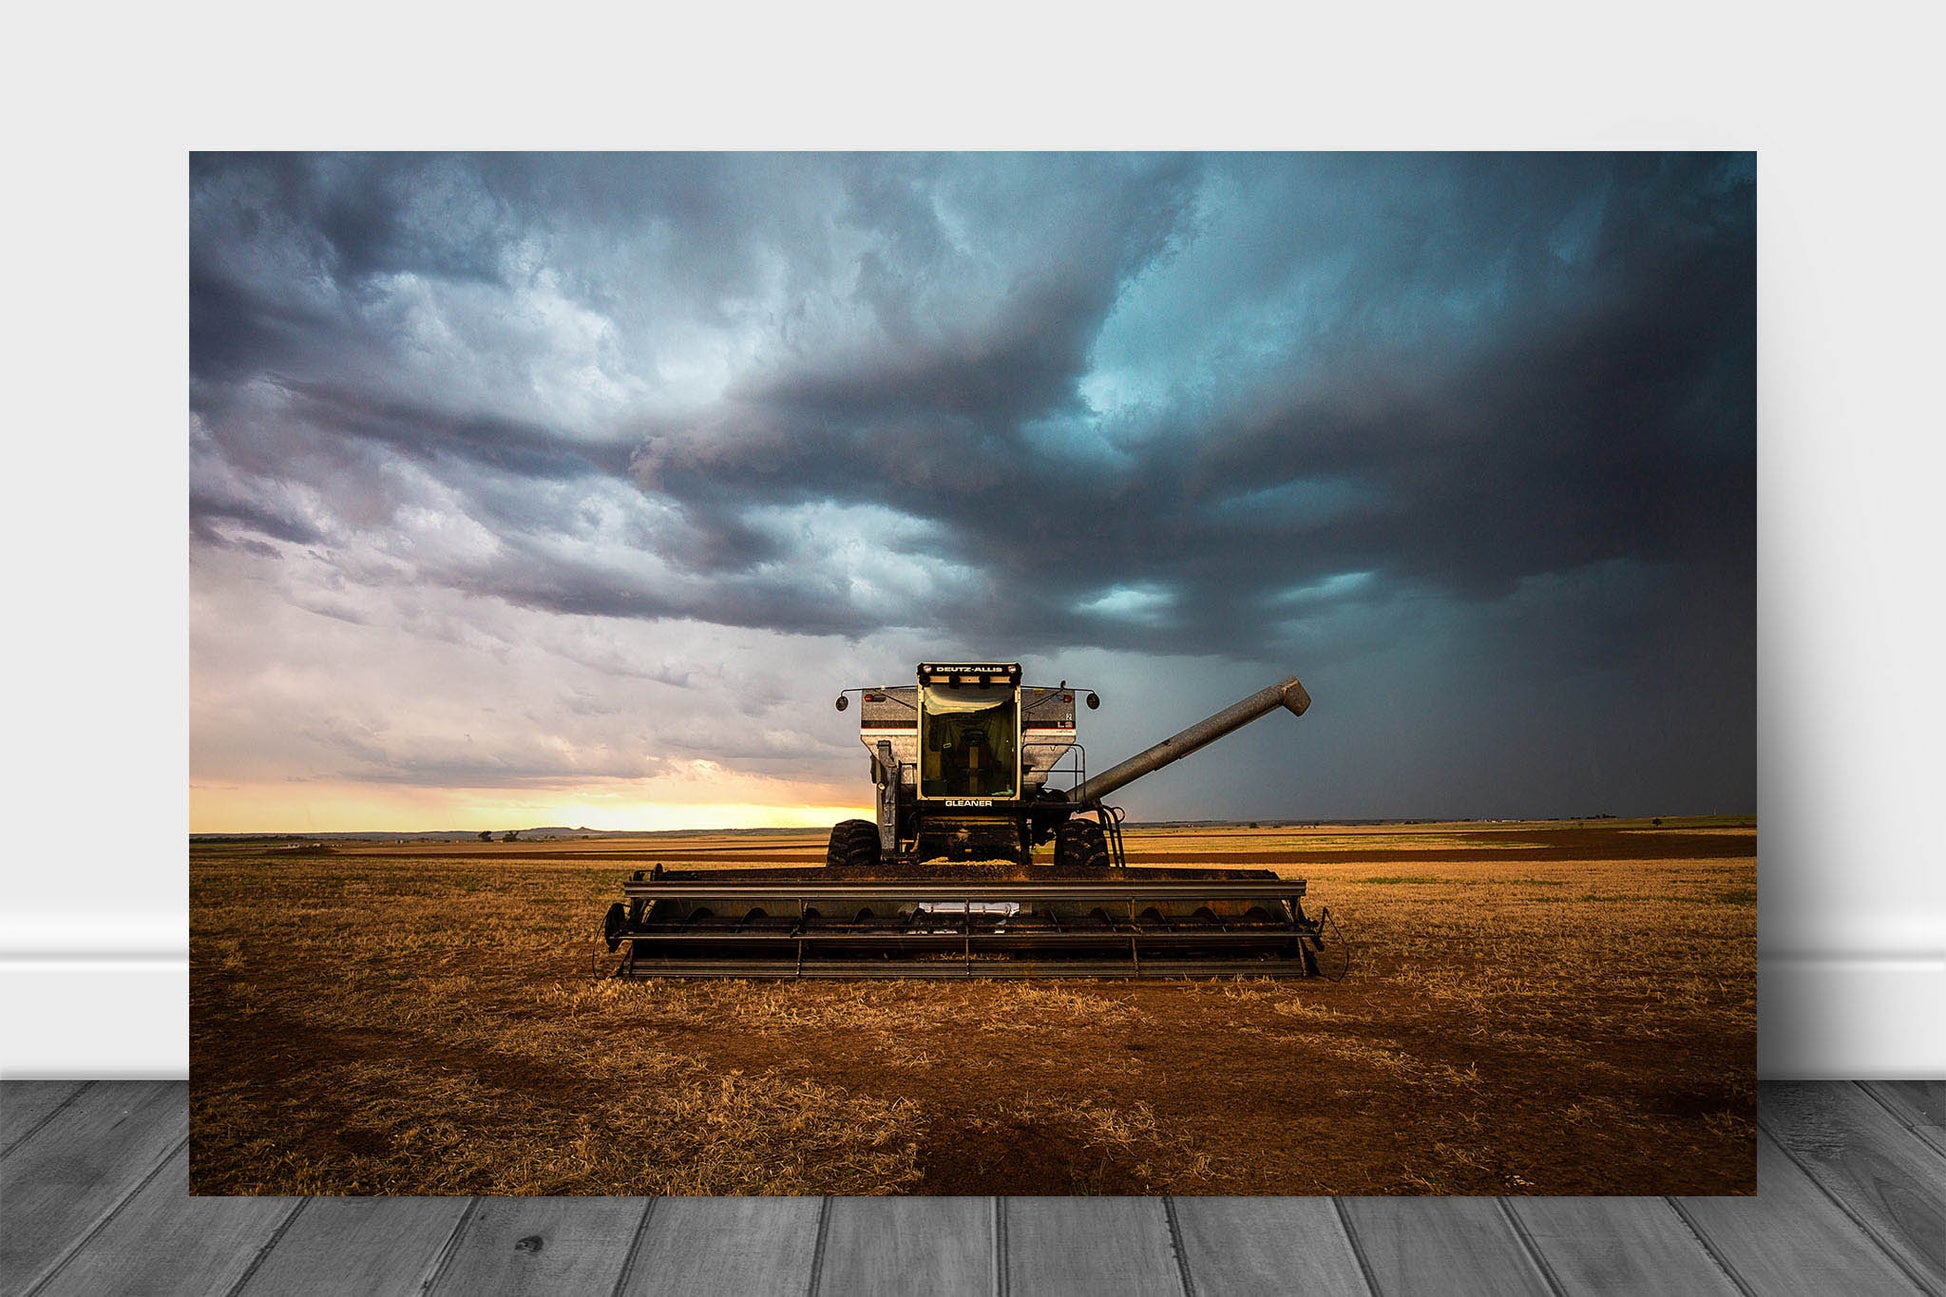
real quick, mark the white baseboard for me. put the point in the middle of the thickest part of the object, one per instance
(122, 1009)
(1834, 1017)
(94, 1018)
(94, 995)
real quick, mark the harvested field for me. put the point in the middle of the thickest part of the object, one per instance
(1536, 1009)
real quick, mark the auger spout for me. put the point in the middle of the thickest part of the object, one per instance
(1287, 694)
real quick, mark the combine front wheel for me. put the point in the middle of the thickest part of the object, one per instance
(1080, 845)
(854, 845)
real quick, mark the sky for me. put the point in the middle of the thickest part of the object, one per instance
(570, 489)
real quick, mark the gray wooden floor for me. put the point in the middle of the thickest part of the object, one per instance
(94, 1176)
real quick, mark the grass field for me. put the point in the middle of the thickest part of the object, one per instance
(1541, 1008)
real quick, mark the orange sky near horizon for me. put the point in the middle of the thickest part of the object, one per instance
(349, 807)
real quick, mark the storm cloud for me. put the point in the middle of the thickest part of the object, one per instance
(1468, 441)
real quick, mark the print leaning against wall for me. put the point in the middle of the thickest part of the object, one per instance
(541, 505)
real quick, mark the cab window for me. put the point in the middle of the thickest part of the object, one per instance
(969, 741)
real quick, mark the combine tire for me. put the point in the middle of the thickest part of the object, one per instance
(854, 845)
(1080, 845)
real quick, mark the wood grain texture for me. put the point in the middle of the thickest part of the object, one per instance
(941, 1246)
(1919, 1105)
(163, 1241)
(64, 1179)
(1877, 1169)
(1247, 1246)
(1791, 1238)
(25, 1104)
(542, 1245)
(1088, 1245)
(95, 1198)
(1442, 1245)
(377, 1247)
(748, 1246)
(1619, 1245)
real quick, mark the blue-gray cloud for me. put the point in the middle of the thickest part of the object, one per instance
(1252, 406)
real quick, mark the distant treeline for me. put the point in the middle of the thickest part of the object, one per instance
(556, 833)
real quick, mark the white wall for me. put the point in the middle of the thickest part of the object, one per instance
(93, 977)
(1851, 894)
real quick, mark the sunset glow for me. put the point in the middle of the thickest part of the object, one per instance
(327, 808)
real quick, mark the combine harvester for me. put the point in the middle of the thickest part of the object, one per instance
(944, 884)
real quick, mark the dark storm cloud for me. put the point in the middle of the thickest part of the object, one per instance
(513, 447)
(1185, 404)
(205, 511)
(1581, 415)
(287, 251)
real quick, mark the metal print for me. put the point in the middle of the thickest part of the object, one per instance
(1290, 618)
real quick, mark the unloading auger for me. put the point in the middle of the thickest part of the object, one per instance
(942, 883)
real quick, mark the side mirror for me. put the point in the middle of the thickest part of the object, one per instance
(844, 701)
(1094, 700)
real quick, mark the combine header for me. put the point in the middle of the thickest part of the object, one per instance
(943, 882)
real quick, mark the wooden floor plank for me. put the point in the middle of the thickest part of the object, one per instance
(1441, 1245)
(1247, 1246)
(1619, 1245)
(165, 1242)
(66, 1177)
(96, 1202)
(1061, 1245)
(372, 1246)
(25, 1104)
(908, 1245)
(1894, 1184)
(542, 1245)
(1920, 1105)
(726, 1247)
(1790, 1238)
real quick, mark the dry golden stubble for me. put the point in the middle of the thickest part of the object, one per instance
(392, 1021)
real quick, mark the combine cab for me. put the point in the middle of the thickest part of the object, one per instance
(943, 882)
